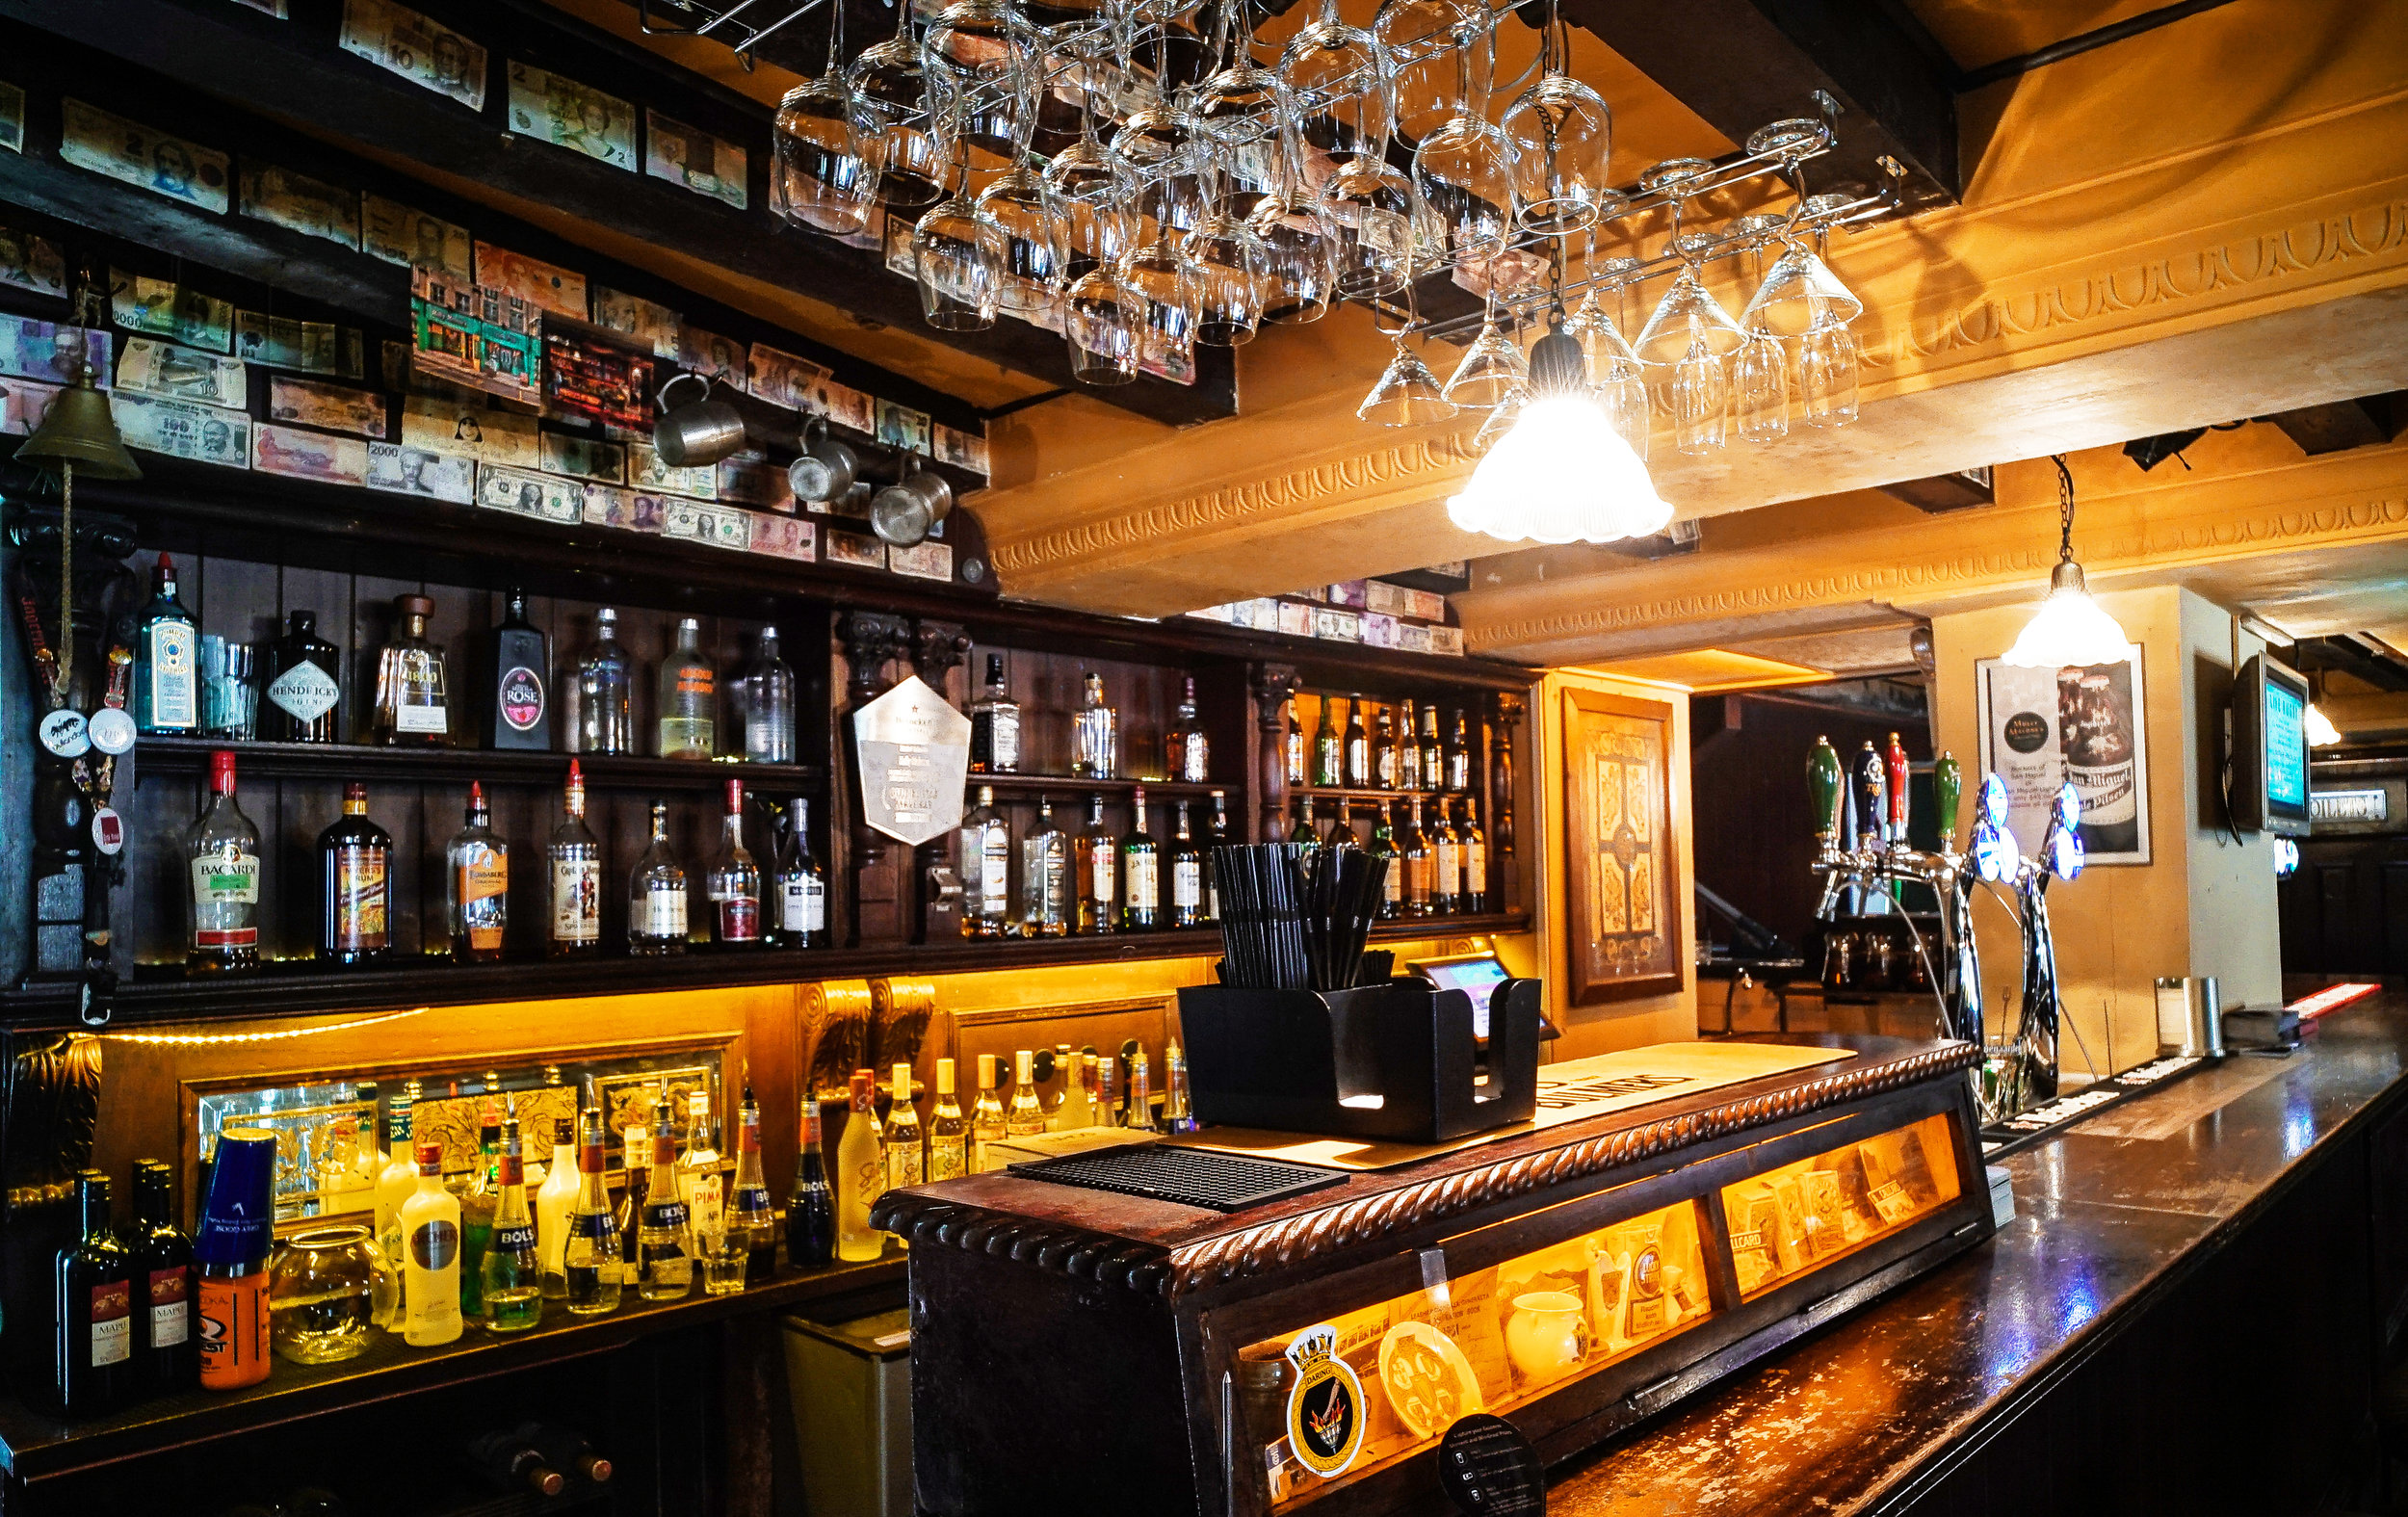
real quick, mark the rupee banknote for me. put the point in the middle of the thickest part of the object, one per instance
(183, 429)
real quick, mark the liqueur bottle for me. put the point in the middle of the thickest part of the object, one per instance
(810, 1207)
(510, 1276)
(1385, 754)
(861, 1174)
(430, 1249)
(395, 1185)
(1419, 863)
(656, 896)
(697, 1176)
(1446, 856)
(734, 884)
(1095, 865)
(906, 1156)
(995, 725)
(304, 690)
(1408, 753)
(1474, 896)
(1140, 871)
(636, 1184)
(355, 871)
(802, 883)
(574, 925)
(765, 698)
(604, 688)
(688, 693)
(1140, 1115)
(1358, 747)
(986, 1118)
(982, 858)
(1189, 751)
(413, 683)
(1177, 1114)
(751, 1214)
(521, 717)
(1025, 1116)
(949, 1134)
(1307, 829)
(167, 1349)
(1329, 756)
(554, 1203)
(222, 860)
(231, 1244)
(93, 1365)
(1433, 755)
(480, 1202)
(590, 1267)
(1186, 874)
(1095, 734)
(1046, 905)
(1292, 744)
(476, 877)
(166, 660)
(663, 1245)
(1459, 757)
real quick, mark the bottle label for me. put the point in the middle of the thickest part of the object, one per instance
(1475, 869)
(576, 900)
(664, 1216)
(705, 1201)
(112, 1322)
(174, 676)
(665, 912)
(516, 1240)
(170, 1306)
(1187, 884)
(226, 888)
(1101, 877)
(740, 917)
(947, 1157)
(421, 718)
(803, 905)
(1449, 863)
(1006, 740)
(686, 734)
(484, 880)
(1144, 885)
(520, 695)
(356, 897)
(763, 738)
(304, 691)
(994, 873)
(1392, 888)
(1193, 765)
(234, 1331)
(435, 1244)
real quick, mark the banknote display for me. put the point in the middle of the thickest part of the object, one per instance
(625, 510)
(647, 474)
(962, 450)
(402, 234)
(753, 480)
(23, 406)
(432, 57)
(308, 454)
(90, 138)
(711, 356)
(183, 429)
(713, 526)
(12, 117)
(28, 262)
(46, 351)
(649, 327)
(577, 116)
(781, 378)
(783, 536)
(299, 204)
(501, 438)
(165, 308)
(547, 286)
(857, 549)
(330, 406)
(841, 404)
(414, 471)
(922, 560)
(902, 427)
(546, 497)
(281, 342)
(690, 157)
(182, 373)
(584, 458)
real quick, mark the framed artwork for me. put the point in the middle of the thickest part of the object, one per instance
(2042, 727)
(1622, 892)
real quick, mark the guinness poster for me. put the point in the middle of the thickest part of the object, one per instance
(2042, 727)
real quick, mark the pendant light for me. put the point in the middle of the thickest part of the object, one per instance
(2070, 630)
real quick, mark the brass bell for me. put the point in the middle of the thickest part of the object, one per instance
(80, 430)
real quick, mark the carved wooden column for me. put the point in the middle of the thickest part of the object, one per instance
(1270, 684)
(871, 641)
(1503, 867)
(937, 649)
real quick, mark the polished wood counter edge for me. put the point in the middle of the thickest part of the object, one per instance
(1160, 1248)
(2108, 1214)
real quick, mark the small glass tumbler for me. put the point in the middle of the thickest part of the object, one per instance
(322, 1295)
(722, 1252)
(230, 698)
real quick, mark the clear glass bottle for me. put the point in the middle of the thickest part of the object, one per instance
(765, 697)
(1072, 1108)
(1214, 838)
(1292, 744)
(1186, 874)
(802, 883)
(1095, 859)
(995, 725)
(395, 1185)
(1046, 905)
(511, 1271)
(733, 883)
(1095, 734)
(1446, 857)
(1420, 863)
(751, 1216)
(982, 862)
(986, 1118)
(696, 1177)
(1408, 755)
(592, 1270)
(430, 1249)
(1139, 1116)
(1358, 746)
(574, 856)
(1459, 757)
(1141, 870)
(1178, 1117)
(1105, 1080)
(222, 860)
(860, 1174)
(1434, 754)
(689, 697)
(1329, 750)
(1189, 751)
(949, 1134)
(906, 1156)
(479, 1201)
(477, 880)
(656, 894)
(554, 1201)
(810, 1205)
(663, 1242)
(1024, 1115)
(354, 881)
(166, 660)
(413, 683)
(635, 1183)
(605, 693)
(1474, 898)
(1384, 752)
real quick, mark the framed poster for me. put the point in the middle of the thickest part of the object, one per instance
(2042, 727)
(1622, 894)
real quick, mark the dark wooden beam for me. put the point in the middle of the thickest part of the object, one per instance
(2359, 657)
(2338, 425)
(1945, 492)
(293, 71)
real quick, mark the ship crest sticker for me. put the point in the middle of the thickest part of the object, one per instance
(1325, 1408)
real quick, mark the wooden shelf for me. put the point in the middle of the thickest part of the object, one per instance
(1372, 793)
(348, 761)
(1089, 785)
(37, 1445)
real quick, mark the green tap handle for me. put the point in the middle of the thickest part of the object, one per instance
(1823, 789)
(1948, 788)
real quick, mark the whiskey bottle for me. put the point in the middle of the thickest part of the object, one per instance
(477, 881)
(1341, 833)
(656, 896)
(1140, 871)
(304, 687)
(982, 859)
(1408, 753)
(688, 693)
(1045, 893)
(1384, 754)
(1025, 1116)
(1095, 865)
(430, 1249)
(167, 1350)
(949, 1135)
(1418, 864)
(413, 683)
(574, 856)
(1307, 830)
(860, 1174)
(1446, 856)
(1186, 876)
(733, 883)
(1358, 747)
(765, 699)
(222, 862)
(751, 1214)
(1474, 844)
(521, 717)
(166, 660)
(1292, 744)
(1392, 883)
(93, 1362)
(986, 1118)
(1329, 754)
(554, 1202)
(354, 872)
(995, 725)
(1178, 1117)
(1459, 757)
(1433, 756)
(664, 1248)
(604, 692)
(1095, 734)
(511, 1275)
(1189, 751)
(810, 1208)
(591, 1255)
(802, 883)
(906, 1158)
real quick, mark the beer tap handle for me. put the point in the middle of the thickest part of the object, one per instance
(1948, 793)
(1872, 786)
(1896, 758)
(1823, 786)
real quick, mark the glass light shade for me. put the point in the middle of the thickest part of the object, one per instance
(2320, 728)
(957, 250)
(2070, 630)
(1406, 395)
(826, 177)
(1104, 322)
(1371, 207)
(1492, 368)
(1561, 475)
(1798, 295)
(1229, 263)
(1033, 246)
(1300, 260)
(1562, 137)
(1686, 315)
(1465, 173)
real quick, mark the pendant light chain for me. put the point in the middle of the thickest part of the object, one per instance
(2065, 509)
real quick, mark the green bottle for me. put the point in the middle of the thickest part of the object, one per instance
(1822, 789)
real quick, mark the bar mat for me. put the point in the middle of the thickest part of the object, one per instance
(1184, 1176)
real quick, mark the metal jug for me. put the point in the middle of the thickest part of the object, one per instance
(698, 433)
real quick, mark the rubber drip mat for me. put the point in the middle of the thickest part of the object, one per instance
(1184, 1176)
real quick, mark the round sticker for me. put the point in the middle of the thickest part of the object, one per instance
(1486, 1465)
(108, 829)
(521, 697)
(111, 730)
(1325, 1421)
(2025, 731)
(65, 734)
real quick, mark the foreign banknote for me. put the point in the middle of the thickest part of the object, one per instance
(183, 429)
(570, 115)
(93, 139)
(415, 471)
(331, 406)
(182, 373)
(308, 454)
(399, 38)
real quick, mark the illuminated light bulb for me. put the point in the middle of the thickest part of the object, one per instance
(2321, 733)
(1561, 473)
(2070, 629)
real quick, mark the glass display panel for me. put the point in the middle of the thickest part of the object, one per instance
(1789, 1222)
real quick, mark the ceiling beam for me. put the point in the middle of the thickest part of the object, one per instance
(2358, 657)
(2338, 425)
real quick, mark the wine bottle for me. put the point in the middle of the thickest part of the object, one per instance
(167, 1350)
(949, 1135)
(93, 1366)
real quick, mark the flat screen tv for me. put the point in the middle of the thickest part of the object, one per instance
(2270, 749)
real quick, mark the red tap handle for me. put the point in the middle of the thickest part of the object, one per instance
(1898, 789)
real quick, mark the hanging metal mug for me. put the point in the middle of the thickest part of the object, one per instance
(903, 512)
(698, 434)
(827, 467)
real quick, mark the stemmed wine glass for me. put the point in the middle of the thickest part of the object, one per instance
(1760, 371)
(1827, 353)
(1563, 137)
(1407, 393)
(958, 248)
(1465, 169)
(1429, 87)
(822, 156)
(1492, 367)
(1340, 78)
(1299, 246)
(1615, 375)
(1690, 332)
(891, 83)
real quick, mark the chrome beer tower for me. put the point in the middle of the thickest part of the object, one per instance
(2028, 1074)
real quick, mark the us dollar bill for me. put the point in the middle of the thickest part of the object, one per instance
(183, 429)
(403, 470)
(545, 497)
(182, 373)
(573, 116)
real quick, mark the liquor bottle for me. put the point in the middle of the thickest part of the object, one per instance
(477, 876)
(1307, 829)
(1095, 734)
(1140, 1115)
(413, 683)
(510, 1276)
(1213, 839)
(1474, 896)
(1186, 876)
(1071, 1108)
(751, 1214)
(635, 1184)
(1140, 871)
(860, 1174)
(1329, 755)
(656, 896)
(521, 717)
(575, 857)
(1178, 1116)
(508, 1462)
(93, 1363)
(231, 1241)
(1189, 750)
(1095, 865)
(982, 860)
(1384, 752)
(1024, 1115)
(1046, 907)
(1408, 753)
(1341, 833)
(802, 883)
(166, 660)
(1459, 757)
(697, 1176)
(733, 883)
(906, 1155)
(395, 1184)
(1433, 756)
(1107, 1088)
(1418, 864)
(810, 1207)
(480, 1203)
(1392, 883)
(688, 693)
(663, 1245)
(604, 689)
(167, 1350)
(430, 1249)
(949, 1135)
(995, 725)
(765, 698)
(986, 1118)
(591, 1269)
(554, 1202)
(1358, 747)
(1292, 744)
(354, 872)
(222, 859)
(1446, 854)
(304, 689)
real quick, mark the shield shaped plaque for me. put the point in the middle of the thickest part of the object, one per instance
(914, 752)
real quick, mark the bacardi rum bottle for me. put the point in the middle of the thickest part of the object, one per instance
(222, 871)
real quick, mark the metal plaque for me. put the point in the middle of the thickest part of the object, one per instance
(914, 752)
